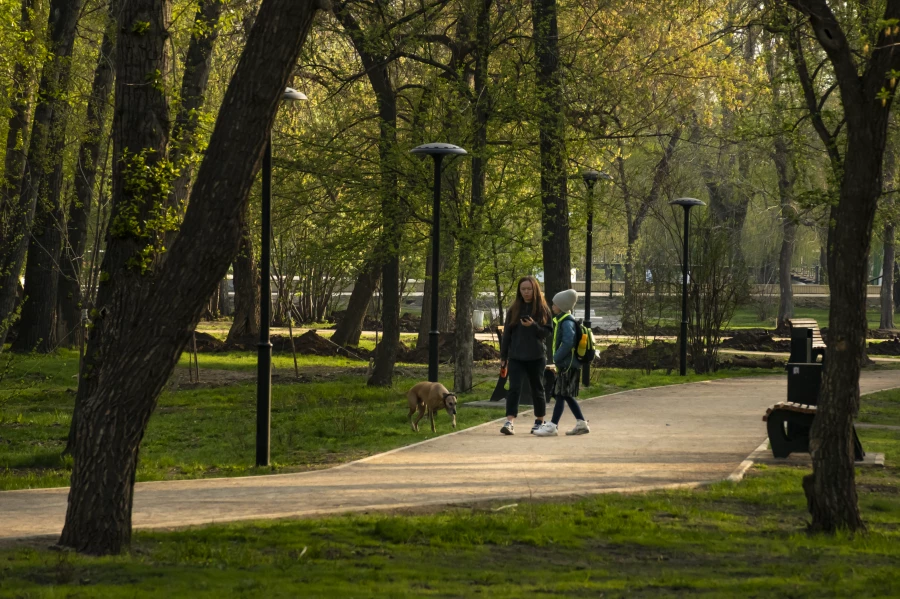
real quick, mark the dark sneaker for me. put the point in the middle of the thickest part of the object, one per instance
(508, 428)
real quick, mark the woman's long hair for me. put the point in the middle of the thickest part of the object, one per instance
(539, 311)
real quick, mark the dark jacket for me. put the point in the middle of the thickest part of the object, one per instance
(524, 343)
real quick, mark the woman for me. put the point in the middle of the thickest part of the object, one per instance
(522, 350)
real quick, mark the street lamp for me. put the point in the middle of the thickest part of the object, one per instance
(590, 177)
(687, 204)
(436, 151)
(264, 347)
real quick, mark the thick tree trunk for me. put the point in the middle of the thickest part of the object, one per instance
(70, 280)
(350, 326)
(887, 279)
(551, 123)
(246, 291)
(146, 312)
(18, 214)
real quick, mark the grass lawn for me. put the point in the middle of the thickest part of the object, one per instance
(726, 540)
(208, 429)
(745, 317)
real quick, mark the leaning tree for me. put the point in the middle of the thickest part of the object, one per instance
(150, 299)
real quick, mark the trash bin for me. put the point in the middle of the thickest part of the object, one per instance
(478, 319)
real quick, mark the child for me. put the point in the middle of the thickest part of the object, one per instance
(568, 369)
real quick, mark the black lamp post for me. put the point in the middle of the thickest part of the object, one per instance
(590, 179)
(436, 151)
(264, 347)
(687, 204)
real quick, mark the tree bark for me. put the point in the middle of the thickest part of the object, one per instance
(246, 291)
(551, 125)
(70, 280)
(18, 214)
(350, 326)
(146, 311)
(831, 488)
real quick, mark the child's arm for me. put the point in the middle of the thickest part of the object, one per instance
(567, 343)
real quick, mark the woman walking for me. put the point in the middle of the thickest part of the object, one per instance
(522, 350)
(568, 369)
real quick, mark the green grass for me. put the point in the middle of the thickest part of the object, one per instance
(742, 539)
(881, 408)
(726, 540)
(745, 317)
(208, 430)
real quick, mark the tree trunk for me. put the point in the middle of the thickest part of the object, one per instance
(887, 279)
(551, 123)
(18, 215)
(444, 299)
(350, 326)
(469, 237)
(37, 327)
(70, 281)
(197, 66)
(146, 312)
(386, 353)
(246, 292)
(781, 158)
(388, 249)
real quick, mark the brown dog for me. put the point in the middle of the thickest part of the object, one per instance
(430, 397)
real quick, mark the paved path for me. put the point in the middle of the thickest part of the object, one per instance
(680, 435)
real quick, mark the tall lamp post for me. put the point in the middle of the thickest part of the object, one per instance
(436, 151)
(590, 177)
(687, 204)
(264, 347)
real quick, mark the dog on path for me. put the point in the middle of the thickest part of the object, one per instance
(430, 397)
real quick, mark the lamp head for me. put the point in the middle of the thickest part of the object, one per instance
(591, 177)
(687, 203)
(437, 149)
(292, 94)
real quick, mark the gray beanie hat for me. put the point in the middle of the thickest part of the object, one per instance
(565, 300)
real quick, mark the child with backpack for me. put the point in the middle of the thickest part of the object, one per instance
(571, 345)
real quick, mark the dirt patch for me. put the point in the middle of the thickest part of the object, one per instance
(885, 348)
(657, 355)
(480, 352)
(756, 340)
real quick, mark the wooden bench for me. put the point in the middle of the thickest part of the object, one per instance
(788, 425)
(798, 337)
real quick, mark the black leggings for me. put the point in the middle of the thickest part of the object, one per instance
(534, 370)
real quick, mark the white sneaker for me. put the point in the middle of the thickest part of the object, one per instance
(547, 430)
(581, 428)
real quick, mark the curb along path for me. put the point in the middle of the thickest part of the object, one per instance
(665, 437)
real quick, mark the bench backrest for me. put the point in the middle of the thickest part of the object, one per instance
(806, 340)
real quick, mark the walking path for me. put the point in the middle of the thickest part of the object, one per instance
(665, 437)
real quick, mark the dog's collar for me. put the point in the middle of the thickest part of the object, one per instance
(446, 395)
